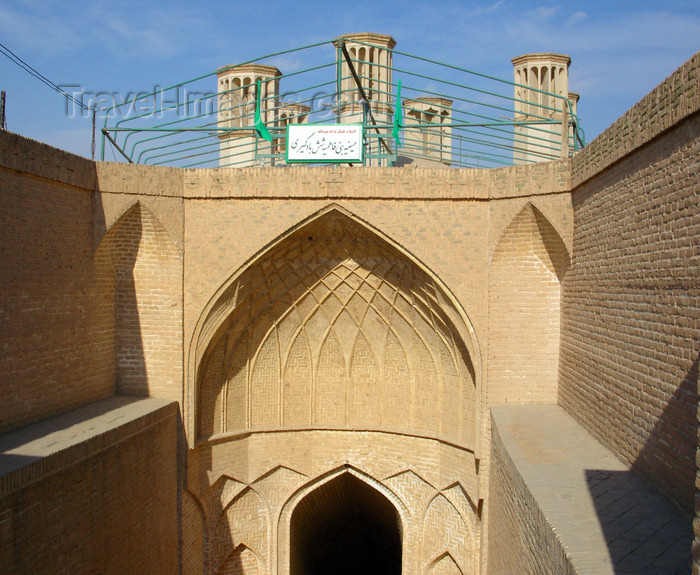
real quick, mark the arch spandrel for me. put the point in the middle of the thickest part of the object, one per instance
(345, 287)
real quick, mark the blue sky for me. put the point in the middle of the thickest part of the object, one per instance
(620, 50)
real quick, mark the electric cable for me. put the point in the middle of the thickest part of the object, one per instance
(5, 51)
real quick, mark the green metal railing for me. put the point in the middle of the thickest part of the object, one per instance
(451, 116)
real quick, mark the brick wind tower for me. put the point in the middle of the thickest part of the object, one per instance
(236, 109)
(533, 75)
(372, 59)
(236, 86)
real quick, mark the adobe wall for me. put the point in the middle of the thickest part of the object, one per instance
(56, 303)
(631, 300)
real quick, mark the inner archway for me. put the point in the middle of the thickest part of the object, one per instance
(345, 527)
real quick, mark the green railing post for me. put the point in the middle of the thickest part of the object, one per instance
(339, 80)
(367, 142)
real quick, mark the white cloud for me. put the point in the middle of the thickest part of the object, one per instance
(485, 10)
(575, 18)
(544, 13)
(27, 31)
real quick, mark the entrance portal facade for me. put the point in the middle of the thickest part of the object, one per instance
(337, 405)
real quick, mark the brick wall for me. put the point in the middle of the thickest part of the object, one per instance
(524, 295)
(631, 300)
(147, 275)
(446, 219)
(100, 498)
(57, 336)
(521, 539)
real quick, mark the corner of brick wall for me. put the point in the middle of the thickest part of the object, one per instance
(103, 501)
(672, 101)
(521, 540)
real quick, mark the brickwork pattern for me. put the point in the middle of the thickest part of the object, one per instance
(446, 539)
(193, 520)
(334, 296)
(25, 156)
(631, 310)
(272, 472)
(524, 292)
(57, 335)
(441, 216)
(148, 282)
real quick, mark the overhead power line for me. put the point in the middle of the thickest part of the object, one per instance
(38, 75)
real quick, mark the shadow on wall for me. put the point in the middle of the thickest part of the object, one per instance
(210, 521)
(645, 532)
(11, 443)
(120, 248)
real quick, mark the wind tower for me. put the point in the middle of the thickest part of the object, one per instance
(372, 59)
(534, 75)
(236, 111)
(428, 134)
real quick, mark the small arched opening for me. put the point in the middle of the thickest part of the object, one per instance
(345, 527)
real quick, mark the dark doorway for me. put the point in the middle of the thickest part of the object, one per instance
(345, 527)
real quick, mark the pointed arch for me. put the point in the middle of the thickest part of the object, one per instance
(553, 238)
(445, 564)
(345, 523)
(241, 561)
(194, 532)
(446, 533)
(297, 382)
(138, 248)
(345, 287)
(244, 521)
(326, 486)
(525, 277)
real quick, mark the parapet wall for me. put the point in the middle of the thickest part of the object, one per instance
(92, 491)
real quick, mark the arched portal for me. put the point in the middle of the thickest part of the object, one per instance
(335, 327)
(345, 527)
